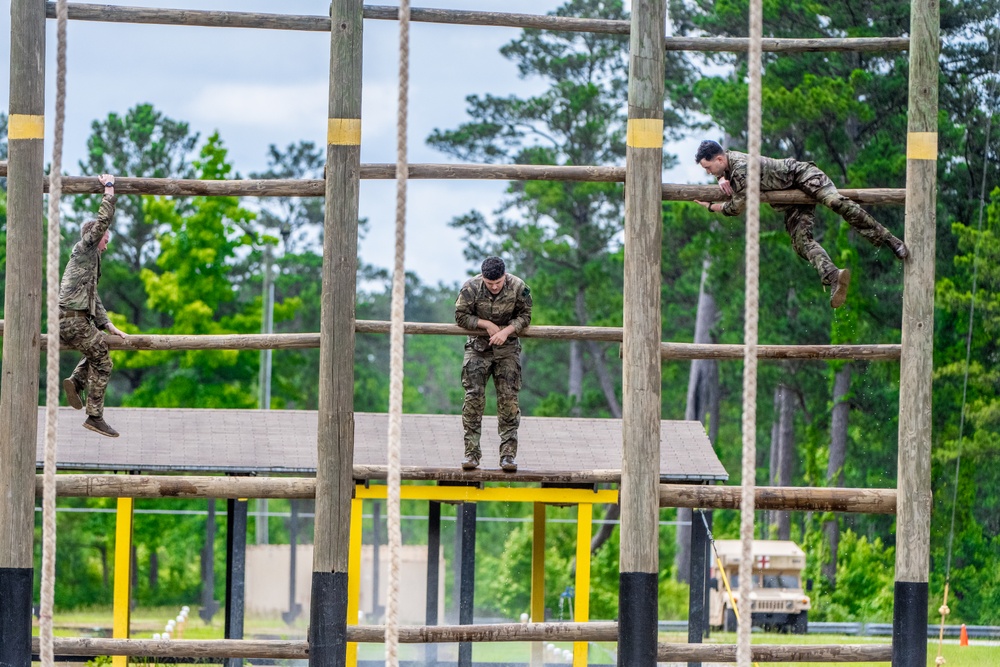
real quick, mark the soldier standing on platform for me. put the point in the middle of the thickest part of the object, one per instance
(500, 304)
(730, 168)
(82, 315)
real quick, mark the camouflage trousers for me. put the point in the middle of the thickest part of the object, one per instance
(94, 370)
(799, 221)
(477, 368)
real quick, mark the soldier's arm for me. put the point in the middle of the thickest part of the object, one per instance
(522, 311)
(464, 316)
(738, 199)
(101, 320)
(106, 214)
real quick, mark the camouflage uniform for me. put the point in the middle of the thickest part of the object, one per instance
(512, 305)
(83, 314)
(787, 174)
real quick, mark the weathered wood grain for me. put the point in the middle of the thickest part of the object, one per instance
(806, 499)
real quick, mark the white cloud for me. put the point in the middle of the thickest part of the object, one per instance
(261, 106)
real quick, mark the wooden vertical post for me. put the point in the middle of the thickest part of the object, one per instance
(641, 319)
(913, 518)
(22, 328)
(335, 433)
(467, 590)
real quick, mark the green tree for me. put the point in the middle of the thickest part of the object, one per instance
(194, 291)
(560, 236)
(142, 143)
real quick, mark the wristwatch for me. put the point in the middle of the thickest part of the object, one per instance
(109, 184)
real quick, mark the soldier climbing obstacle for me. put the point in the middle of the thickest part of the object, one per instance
(82, 315)
(730, 168)
(500, 303)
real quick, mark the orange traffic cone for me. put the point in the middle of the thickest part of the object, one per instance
(963, 636)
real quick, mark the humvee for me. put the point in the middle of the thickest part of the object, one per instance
(777, 599)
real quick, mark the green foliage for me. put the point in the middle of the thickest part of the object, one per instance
(865, 574)
(194, 291)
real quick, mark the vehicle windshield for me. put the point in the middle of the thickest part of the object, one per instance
(780, 581)
(770, 581)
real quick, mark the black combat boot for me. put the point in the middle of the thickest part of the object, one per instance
(470, 462)
(98, 425)
(839, 295)
(899, 248)
(72, 393)
(508, 464)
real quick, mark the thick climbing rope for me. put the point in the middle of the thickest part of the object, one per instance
(48, 582)
(396, 347)
(944, 610)
(743, 654)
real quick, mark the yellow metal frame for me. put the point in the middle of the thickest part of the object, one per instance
(123, 575)
(581, 610)
(354, 576)
(471, 494)
(538, 580)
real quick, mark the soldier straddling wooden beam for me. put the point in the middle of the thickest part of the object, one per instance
(82, 315)
(730, 168)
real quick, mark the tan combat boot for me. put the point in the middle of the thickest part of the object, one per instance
(839, 295)
(72, 393)
(98, 425)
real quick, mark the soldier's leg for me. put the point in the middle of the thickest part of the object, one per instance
(819, 185)
(95, 350)
(799, 221)
(474, 371)
(71, 333)
(507, 378)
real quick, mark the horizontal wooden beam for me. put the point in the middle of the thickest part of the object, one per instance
(675, 653)
(803, 499)
(806, 499)
(223, 19)
(178, 187)
(599, 631)
(668, 351)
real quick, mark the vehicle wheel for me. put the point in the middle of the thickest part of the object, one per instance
(730, 624)
(801, 624)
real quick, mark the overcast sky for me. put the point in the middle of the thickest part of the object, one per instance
(262, 87)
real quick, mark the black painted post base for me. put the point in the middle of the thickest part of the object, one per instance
(909, 624)
(328, 620)
(637, 617)
(15, 616)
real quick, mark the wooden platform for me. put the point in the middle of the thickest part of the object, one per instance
(284, 442)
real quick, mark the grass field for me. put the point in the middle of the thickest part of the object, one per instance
(145, 622)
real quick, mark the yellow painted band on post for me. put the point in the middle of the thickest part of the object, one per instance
(922, 146)
(343, 131)
(354, 575)
(581, 610)
(24, 126)
(644, 133)
(472, 494)
(123, 575)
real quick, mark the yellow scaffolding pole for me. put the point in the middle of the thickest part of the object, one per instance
(538, 581)
(123, 575)
(354, 575)
(471, 494)
(581, 609)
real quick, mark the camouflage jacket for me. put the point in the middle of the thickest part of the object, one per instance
(512, 305)
(774, 175)
(78, 290)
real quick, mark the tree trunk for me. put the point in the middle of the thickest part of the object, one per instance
(154, 569)
(835, 466)
(702, 405)
(576, 358)
(575, 388)
(596, 351)
(786, 455)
